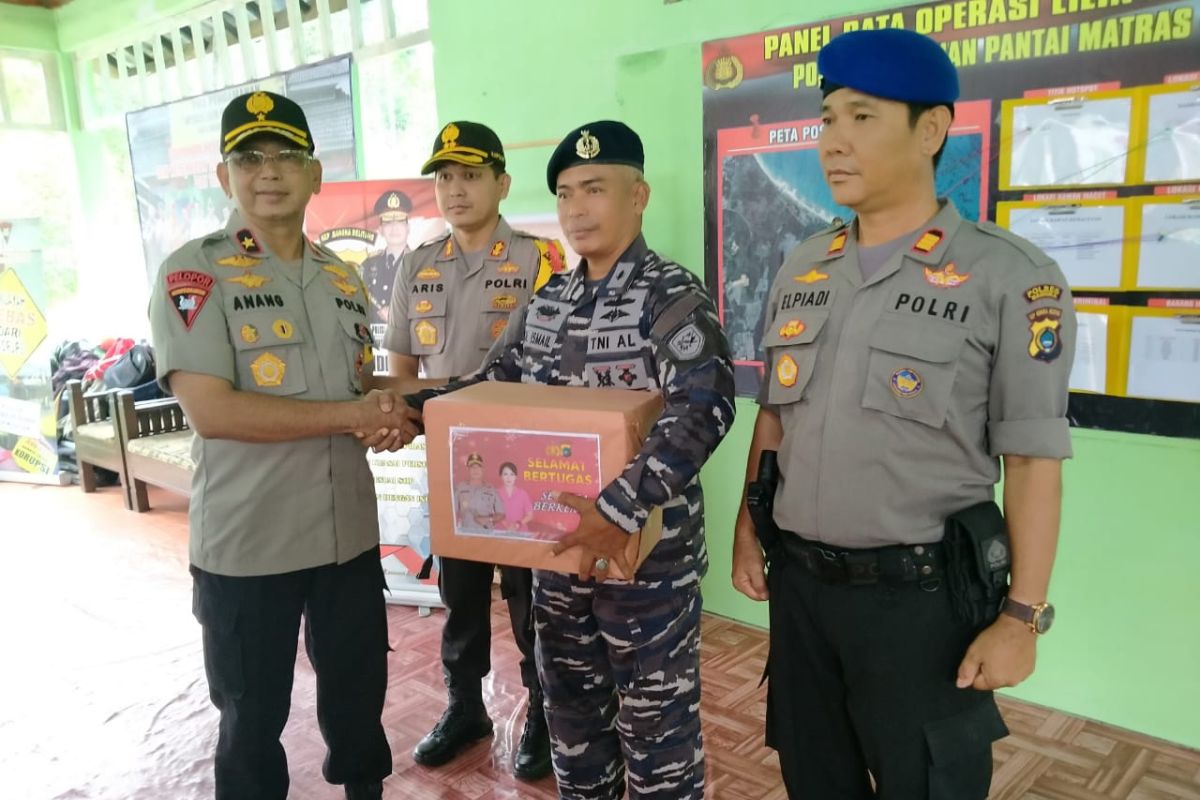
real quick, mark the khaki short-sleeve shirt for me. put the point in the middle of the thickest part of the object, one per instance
(449, 313)
(898, 395)
(223, 305)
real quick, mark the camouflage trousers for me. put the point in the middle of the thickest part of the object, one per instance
(620, 668)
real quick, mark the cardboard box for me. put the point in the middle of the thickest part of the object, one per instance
(497, 450)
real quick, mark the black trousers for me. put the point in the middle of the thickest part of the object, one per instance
(250, 630)
(862, 679)
(466, 588)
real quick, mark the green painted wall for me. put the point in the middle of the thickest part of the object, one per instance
(27, 28)
(1126, 648)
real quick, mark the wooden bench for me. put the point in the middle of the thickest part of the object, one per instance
(97, 441)
(157, 445)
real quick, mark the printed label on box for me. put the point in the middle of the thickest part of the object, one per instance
(505, 481)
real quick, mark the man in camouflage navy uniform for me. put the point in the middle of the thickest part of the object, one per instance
(909, 353)
(453, 298)
(379, 271)
(263, 337)
(620, 661)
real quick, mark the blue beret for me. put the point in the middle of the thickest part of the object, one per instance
(602, 142)
(890, 63)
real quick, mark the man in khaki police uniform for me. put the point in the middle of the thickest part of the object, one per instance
(379, 271)
(479, 504)
(263, 337)
(908, 354)
(453, 299)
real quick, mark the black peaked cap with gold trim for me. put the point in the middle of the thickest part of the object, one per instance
(264, 113)
(393, 206)
(603, 142)
(469, 143)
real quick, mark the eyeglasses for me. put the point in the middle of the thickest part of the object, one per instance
(253, 160)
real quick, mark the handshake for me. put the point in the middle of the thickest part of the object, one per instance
(385, 421)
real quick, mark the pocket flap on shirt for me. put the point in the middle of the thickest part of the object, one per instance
(256, 329)
(794, 328)
(356, 328)
(929, 341)
(427, 305)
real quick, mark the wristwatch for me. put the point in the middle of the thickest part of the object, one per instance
(1038, 617)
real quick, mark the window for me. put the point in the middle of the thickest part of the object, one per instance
(398, 105)
(29, 91)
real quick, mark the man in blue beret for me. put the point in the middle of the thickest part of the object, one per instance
(910, 354)
(619, 661)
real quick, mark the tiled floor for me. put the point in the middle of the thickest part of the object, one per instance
(102, 691)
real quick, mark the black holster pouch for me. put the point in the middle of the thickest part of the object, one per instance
(760, 501)
(978, 561)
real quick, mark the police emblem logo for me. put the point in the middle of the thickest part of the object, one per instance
(791, 329)
(498, 328)
(1045, 344)
(450, 135)
(249, 280)
(188, 291)
(268, 370)
(907, 383)
(448, 250)
(588, 146)
(687, 343)
(239, 262)
(429, 274)
(504, 302)
(947, 277)
(724, 72)
(812, 276)
(996, 554)
(787, 372)
(249, 334)
(260, 104)
(1043, 291)
(928, 241)
(498, 249)
(508, 268)
(427, 333)
(393, 201)
(423, 306)
(283, 329)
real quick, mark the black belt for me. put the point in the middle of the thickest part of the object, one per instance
(892, 564)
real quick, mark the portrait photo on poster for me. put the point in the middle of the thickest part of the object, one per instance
(506, 482)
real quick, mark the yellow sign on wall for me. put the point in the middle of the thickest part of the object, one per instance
(22, 326)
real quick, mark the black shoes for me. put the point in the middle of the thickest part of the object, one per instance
(464, 722)
(532, 759)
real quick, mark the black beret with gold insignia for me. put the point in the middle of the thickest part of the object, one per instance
(602, 142)
(469, 143)
(393, 206)
(264, 112)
